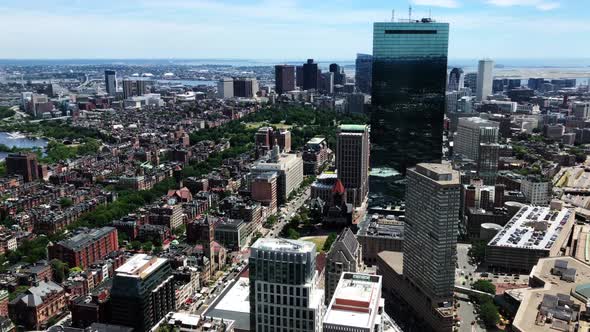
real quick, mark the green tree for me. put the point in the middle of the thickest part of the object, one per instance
(271, 221)
(76, 269)
(477, 252)
(135, 245)
(293, 234)
(60, 270)
(329, 241)
(91, 146)
(484, 286)
(489, 314)
(147, 246)
(65, 202)
(180, 230)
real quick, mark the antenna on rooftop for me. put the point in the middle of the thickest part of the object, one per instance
(393, 15)
(410, 13)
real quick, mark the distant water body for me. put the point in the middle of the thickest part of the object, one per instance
(20, 141)
(187, 82)
(579, 62)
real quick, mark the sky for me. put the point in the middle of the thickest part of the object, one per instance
(282, 29)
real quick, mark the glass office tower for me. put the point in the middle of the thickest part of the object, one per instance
(408, 101)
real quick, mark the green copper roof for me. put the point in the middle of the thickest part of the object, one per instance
(353, 127)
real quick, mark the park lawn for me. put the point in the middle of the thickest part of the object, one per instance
(318, 240)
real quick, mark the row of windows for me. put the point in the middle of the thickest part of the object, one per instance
(281, 289)
(265, 310)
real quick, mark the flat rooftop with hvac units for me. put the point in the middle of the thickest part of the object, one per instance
(557, 297)
(534, 232)
(356, 306)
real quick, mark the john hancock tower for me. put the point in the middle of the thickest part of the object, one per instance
(408, 101)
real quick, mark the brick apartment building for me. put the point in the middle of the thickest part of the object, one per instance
(86, 247)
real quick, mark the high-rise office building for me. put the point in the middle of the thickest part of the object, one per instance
(283, 291)
(487, 162)
(134, 87)
(142, 292)
(110, 81)
(363, 73)
(345, 255)
(352, 161)
(471, 132)
(357, 305)
(430, 230)
(245, 87)
(581, 110)
(327, 82)
(299, 76)
(339, 75)
(289, 168)
(284, 78)
(484, 79)
(408, 99)
(456, 80)
(471, 81)
(225, 88)
(355, 103)
(310, 75)
(128, 88)
(24, 164)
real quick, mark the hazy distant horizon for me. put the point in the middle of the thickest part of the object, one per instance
(510, 62)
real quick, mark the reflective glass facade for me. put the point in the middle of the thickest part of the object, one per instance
(408, 101)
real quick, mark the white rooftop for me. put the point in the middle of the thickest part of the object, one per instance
(237, 299)
(316, 140)
(140, 266)
(277, 244)
(533, 227)
(356, 301)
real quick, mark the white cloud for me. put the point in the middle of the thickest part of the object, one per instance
(539, 4)
(437, 3)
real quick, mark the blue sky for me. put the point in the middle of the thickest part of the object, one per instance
(282, 29)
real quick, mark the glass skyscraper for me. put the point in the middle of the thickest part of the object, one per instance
(408, 101)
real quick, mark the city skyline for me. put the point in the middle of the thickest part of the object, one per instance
(340, 29)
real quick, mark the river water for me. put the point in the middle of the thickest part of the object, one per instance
(20, 141)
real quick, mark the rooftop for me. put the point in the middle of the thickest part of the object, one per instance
(353, 127)
(140, 266)
(524, 319)
(85, 238)
(316, 140)
(377, 225)
(275, 244)
(233, 304)
(441, 173)
(356, 301)
(533, 227)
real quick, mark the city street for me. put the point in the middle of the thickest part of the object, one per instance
(464, 269)
(289, 211)
(466, 314)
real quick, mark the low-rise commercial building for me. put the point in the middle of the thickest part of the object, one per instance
(357, 305)
(534, 232)
(381, 232)
(559, 291)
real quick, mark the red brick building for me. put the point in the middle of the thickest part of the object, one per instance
(34, 308)
(264, 190)
(85, 247)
